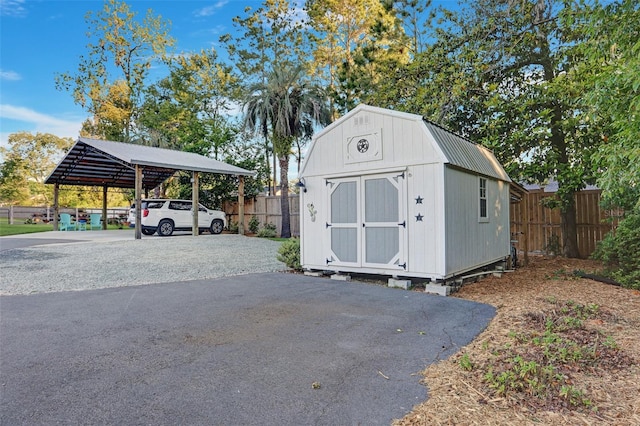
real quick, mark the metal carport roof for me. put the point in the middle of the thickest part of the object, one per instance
(93, 162)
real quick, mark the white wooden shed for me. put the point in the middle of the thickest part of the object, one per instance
(388, 193)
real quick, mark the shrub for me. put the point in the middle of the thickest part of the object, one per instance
(254, 224)
(268, 230)
(289, 253)
(233, 227)
(619, 251)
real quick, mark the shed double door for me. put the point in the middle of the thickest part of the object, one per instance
(367, 225)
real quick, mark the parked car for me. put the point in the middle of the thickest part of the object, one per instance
(167, 215)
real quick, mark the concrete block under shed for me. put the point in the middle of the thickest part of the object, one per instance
(396, 283)
(313, 273)
(442, 290)
(341, 277)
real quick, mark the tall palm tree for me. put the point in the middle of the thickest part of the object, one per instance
(284, 107)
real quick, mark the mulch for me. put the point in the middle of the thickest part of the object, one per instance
(459, 396)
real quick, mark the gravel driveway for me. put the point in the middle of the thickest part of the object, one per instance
(90, 265)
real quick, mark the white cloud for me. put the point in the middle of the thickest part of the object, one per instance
(12, 8)
(33, 121)
(9, 75)
(210, 10)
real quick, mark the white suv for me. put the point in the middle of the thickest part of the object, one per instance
(166, 216)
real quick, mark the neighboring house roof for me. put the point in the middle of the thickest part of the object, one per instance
(94, 162)
(552, 186)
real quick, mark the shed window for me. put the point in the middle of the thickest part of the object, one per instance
(483, 214)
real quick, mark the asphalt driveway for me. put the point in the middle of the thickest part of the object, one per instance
(256, 349)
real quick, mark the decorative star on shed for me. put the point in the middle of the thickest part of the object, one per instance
(419, 200)
(419, 218)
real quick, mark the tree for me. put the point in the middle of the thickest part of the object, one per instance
(285, 108)
(609, 43)
(351, 37)
(28, 161)
(186, 110)
(416, 23)
(271, 36)
(215, 189)
(501, 73)
(120, 43)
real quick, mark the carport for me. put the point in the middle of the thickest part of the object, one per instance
(109, 164)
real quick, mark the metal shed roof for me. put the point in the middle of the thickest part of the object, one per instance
(94, 162)
(465, 154)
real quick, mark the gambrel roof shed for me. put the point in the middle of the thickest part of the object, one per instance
(388, 192)
(451, 147)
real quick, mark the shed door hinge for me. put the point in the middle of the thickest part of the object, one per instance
(403, 224)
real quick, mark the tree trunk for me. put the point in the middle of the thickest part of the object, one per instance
(569, 229)
(284, 197)
(266, 162)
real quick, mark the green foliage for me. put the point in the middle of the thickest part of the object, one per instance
(354, 53)
(505, 74)
(111, 77)
(465, 362)
(254, 224)
(268, 230)
(538, 363)
(289, 253)
(28, 160)
(6, 229)
(619, 251)
(233, 227)
(185, 110)
(608, 34)
(285, 107)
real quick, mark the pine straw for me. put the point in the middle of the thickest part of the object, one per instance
(460, 397)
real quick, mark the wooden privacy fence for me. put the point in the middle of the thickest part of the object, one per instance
(543, 225)
(267, 210)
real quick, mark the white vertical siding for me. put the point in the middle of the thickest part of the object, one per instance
(426, 253)
(403, 142)
(314, 236)
(469, 242)
(449, 239)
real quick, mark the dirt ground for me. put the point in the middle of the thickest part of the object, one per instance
(600, 385)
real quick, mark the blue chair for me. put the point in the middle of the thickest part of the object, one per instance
(65, 222)
(94, 221)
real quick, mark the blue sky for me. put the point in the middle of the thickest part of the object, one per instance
(39, 38)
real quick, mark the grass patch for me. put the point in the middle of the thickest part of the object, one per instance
(6, 229)
(30, 228)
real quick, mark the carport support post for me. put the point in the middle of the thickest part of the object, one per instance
(241, 205)
(56, 208)
(195, 201)
(138, 202)
(104, 208)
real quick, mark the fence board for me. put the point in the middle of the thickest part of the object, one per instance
(267, 210)
(544, 223)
